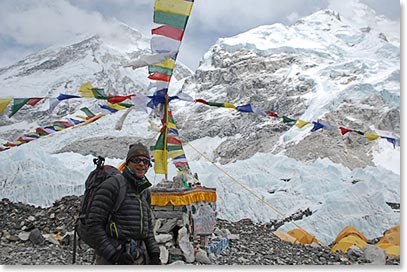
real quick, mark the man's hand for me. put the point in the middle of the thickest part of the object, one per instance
(155, 259)
(125, 259)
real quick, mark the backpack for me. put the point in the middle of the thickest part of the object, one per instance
(92, 184)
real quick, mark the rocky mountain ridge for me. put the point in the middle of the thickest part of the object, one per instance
(317, 69)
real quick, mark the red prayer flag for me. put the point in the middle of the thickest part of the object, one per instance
(24, 140)
(201, 101)
(8, 144)
(345, 130)
(117, 98)
(33, 101)
(41, 130)
(158, 76)
(273, 114)
(181, 164)
(169, 31)
(173, 140)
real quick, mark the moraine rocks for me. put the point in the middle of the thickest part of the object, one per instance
(27, 237)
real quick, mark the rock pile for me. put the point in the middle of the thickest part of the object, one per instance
(28, 237)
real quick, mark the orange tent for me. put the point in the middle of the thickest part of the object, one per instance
(345, 243)
(285, 237)
(390, 242)
(302, 236)
(391, 236)
(391, 250)
(349, 230)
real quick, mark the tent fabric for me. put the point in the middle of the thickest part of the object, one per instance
(391, 236)
(285, 237)
(302, 236)
(349, 230)
(391, 250)
(345, 243)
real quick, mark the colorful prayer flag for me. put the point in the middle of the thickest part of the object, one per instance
(161, 154)
(169, 31)
(174, 20)
(66, 96)
(371, 136)
(317, 126)
(33, 101)
(179, 7)
(301, 123)
(245, 108)
(288, 119)
(158, 76)
(4, 103)
(345, 130)
(17, 104)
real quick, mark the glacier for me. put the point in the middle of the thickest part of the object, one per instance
(320, 67)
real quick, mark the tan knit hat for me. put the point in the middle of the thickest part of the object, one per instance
(139, 150)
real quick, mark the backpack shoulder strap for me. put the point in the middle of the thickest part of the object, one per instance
(147, 196)
(122, 192)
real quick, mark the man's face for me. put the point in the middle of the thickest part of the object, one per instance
(139, 165)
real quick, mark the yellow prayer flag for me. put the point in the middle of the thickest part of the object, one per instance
(86, 90)
(169, 63)
(160, 161)
(176, 153)
(301, 123)
(229, 105)
(4, 103)
(171, 125)
(116, 106)
(81, 117)
(371, 137)
(180, 7)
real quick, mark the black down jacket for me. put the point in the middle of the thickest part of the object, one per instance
(133, 220)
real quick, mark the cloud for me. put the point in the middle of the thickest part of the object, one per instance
(38, 24)
(292, 17)
(48, 22)
(235, 15)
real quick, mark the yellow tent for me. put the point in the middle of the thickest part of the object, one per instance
(302, 236)
(391, 250)
(390, 242)
(393, 229)
(285, 237)
(391, 236)
(349, 230)
(345, 243)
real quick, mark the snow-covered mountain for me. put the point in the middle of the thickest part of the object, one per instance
(317, 69)
(321, 68)
(63, 68)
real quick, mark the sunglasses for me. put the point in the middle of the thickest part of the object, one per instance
(138, 160)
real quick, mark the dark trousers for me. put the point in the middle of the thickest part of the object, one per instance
(102, 261)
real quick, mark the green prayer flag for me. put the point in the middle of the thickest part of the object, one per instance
(216, 104)
(87, 112)
(17, 104)
(159, 69)
(99, 93)
(288, 119)
(178, 21)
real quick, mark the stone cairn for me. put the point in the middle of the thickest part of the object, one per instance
(186, 233)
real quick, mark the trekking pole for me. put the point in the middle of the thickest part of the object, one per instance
(74, 247)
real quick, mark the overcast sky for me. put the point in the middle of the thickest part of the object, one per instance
(27, 26)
